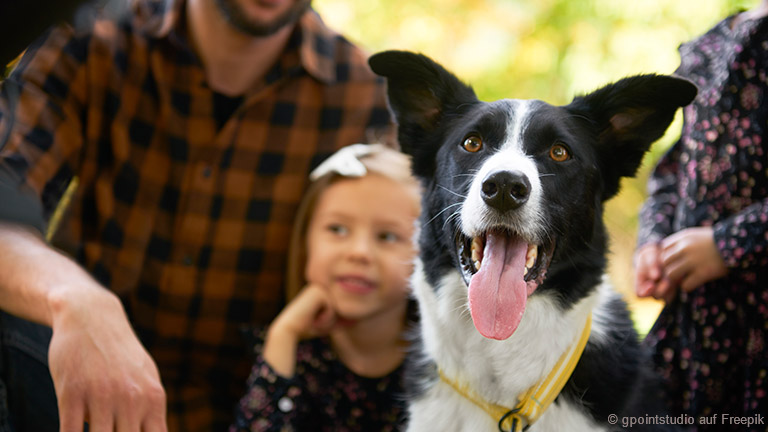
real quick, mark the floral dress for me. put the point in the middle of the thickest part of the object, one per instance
(710, 343)
(323, 395)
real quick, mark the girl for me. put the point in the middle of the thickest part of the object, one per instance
(332, 359)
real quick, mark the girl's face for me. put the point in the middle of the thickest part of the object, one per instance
(359, 245)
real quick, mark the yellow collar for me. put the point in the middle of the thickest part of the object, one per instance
(536, 400)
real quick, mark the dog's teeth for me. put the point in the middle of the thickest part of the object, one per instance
(530, 257)
(477, 247)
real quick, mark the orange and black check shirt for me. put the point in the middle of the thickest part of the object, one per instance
(187, 222)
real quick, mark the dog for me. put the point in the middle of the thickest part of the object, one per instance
(510, 277)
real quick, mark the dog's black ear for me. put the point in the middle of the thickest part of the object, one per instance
(421, 93)
(630, 115)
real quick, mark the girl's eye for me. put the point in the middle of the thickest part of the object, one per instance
(472, 144)
(338, 229)
(559, 153)
(389, 237)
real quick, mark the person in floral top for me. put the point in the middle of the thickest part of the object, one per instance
(332, 360)
(703, 237)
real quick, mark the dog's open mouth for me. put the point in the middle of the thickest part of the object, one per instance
(471, 254)
(501, 269)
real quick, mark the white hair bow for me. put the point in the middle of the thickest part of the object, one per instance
(344, 162)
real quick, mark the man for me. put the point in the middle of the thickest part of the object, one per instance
(190, 128)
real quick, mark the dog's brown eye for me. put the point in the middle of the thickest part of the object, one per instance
(472, 144)
(559, 153)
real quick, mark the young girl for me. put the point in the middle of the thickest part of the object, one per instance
(331, 361)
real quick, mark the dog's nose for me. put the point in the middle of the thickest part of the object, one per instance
(506, 190)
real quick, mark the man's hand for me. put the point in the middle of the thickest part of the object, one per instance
(101, 373)
(690, 258)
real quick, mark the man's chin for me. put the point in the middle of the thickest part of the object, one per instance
(244, 21)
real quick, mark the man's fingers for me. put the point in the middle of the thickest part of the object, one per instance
(101, 418)
(128, 417)
(129, 412)
(155, 419)
(155, 422)
(71, 413)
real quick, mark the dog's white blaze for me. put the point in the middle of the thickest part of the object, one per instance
(497, 370)
(518, 122)
(476, 216)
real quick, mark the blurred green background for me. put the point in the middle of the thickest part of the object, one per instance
(549, 50)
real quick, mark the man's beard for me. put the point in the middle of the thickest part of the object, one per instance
(235, 15)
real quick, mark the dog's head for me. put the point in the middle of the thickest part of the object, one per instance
(514, 189)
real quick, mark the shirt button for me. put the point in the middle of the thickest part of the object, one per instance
(187, 260)
(207, 170)
(285, 404)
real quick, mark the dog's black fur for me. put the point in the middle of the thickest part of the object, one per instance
(606, 134)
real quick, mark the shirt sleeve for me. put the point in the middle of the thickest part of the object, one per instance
(41, 104)
(273, 403)
(742, 239)
(657, 214)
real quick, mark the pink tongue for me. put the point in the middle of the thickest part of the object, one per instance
(497, 292)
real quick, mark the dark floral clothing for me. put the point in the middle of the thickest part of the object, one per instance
(710, 343)
(323, 395)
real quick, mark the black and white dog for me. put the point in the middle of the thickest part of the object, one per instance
(513, 246)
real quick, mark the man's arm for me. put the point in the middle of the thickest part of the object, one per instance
(101, 372)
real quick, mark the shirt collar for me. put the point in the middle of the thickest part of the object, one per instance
(318, 42)
(318, 47)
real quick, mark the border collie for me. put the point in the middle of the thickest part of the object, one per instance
(513, 248)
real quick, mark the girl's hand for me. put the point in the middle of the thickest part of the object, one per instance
(690, 258)
(308, 315)
(649, 274)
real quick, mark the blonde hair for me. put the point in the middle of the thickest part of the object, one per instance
(379, 160)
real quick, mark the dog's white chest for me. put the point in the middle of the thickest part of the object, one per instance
(500, 370)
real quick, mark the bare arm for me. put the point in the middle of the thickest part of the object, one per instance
(310, 314)
(31, 282)
(101, 372)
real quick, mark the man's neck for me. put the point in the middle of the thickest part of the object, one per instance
(233, 61)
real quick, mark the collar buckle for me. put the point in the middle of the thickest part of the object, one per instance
(516, 425)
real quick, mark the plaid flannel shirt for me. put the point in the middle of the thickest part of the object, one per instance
(187, 223)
